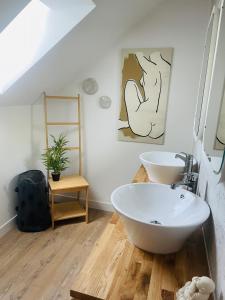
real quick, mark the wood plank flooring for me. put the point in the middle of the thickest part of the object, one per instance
(43, 266)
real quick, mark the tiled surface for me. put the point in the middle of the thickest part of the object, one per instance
(212, 189)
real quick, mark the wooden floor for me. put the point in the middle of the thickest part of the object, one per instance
(44, 265)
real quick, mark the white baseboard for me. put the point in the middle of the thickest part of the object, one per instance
(105, 206)
(4, 228)
(100, 205)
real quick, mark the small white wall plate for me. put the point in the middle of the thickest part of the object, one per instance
(105, 102)
(90, 86)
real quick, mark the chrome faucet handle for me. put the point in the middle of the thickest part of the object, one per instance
(193, 182)
(193, 176)
(185, 177)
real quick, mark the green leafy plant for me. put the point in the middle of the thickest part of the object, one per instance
(55, 158)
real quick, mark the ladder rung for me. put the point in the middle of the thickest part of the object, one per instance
(62, 123)
(72, 148)
(69, 148)
(61, 98)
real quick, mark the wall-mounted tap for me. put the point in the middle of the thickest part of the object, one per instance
(190, 179)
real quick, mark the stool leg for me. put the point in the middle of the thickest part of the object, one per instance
(52, 210)
(86, 200)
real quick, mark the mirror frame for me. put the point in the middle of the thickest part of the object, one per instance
(211, 88)
(207, 71)
(203, 74)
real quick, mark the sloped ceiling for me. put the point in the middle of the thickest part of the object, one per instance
(86, 43)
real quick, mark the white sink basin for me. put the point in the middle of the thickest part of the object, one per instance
(157, 218)
(163, 167)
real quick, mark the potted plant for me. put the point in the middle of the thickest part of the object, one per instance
(55, 158)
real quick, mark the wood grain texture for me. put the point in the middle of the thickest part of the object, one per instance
(67, 183)
(117, 270)
(141, 175)
(61, 97)
(68, 210)
(72, 209)
(100, 269)
(44, 265)
(62, 123)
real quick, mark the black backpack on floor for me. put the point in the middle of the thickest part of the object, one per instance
(33, 212)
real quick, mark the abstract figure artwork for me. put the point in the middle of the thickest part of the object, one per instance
(144, 94)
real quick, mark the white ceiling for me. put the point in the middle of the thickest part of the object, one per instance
(85, 43)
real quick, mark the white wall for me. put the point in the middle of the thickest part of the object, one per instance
(108, 162)
(38, 143)
(15, 151)
(57, 111)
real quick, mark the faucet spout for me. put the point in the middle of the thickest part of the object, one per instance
(182, 156)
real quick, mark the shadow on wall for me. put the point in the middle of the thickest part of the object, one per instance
(10, 189)
(209, 232)
(222, 182)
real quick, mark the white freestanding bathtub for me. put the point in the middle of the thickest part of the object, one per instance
(157, 218)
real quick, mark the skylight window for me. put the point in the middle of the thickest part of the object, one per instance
(20, 41)
(34, 31)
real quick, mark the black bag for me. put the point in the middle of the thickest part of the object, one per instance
(33, 212)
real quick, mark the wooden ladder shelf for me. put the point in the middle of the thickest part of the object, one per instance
(67, 184)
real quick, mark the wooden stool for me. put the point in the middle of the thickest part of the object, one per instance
(70, 209)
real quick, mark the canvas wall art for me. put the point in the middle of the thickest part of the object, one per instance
(144, 94)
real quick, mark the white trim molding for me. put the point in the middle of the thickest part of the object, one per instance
(4, 228)
(106, 206)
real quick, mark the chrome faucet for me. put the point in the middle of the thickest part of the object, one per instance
(190, 179)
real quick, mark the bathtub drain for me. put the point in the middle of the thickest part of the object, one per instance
(155, 222)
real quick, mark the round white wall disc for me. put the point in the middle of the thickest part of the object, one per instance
(105, 102)
(90, 86)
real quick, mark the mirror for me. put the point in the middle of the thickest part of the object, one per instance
(214, 133)
(206, 72)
